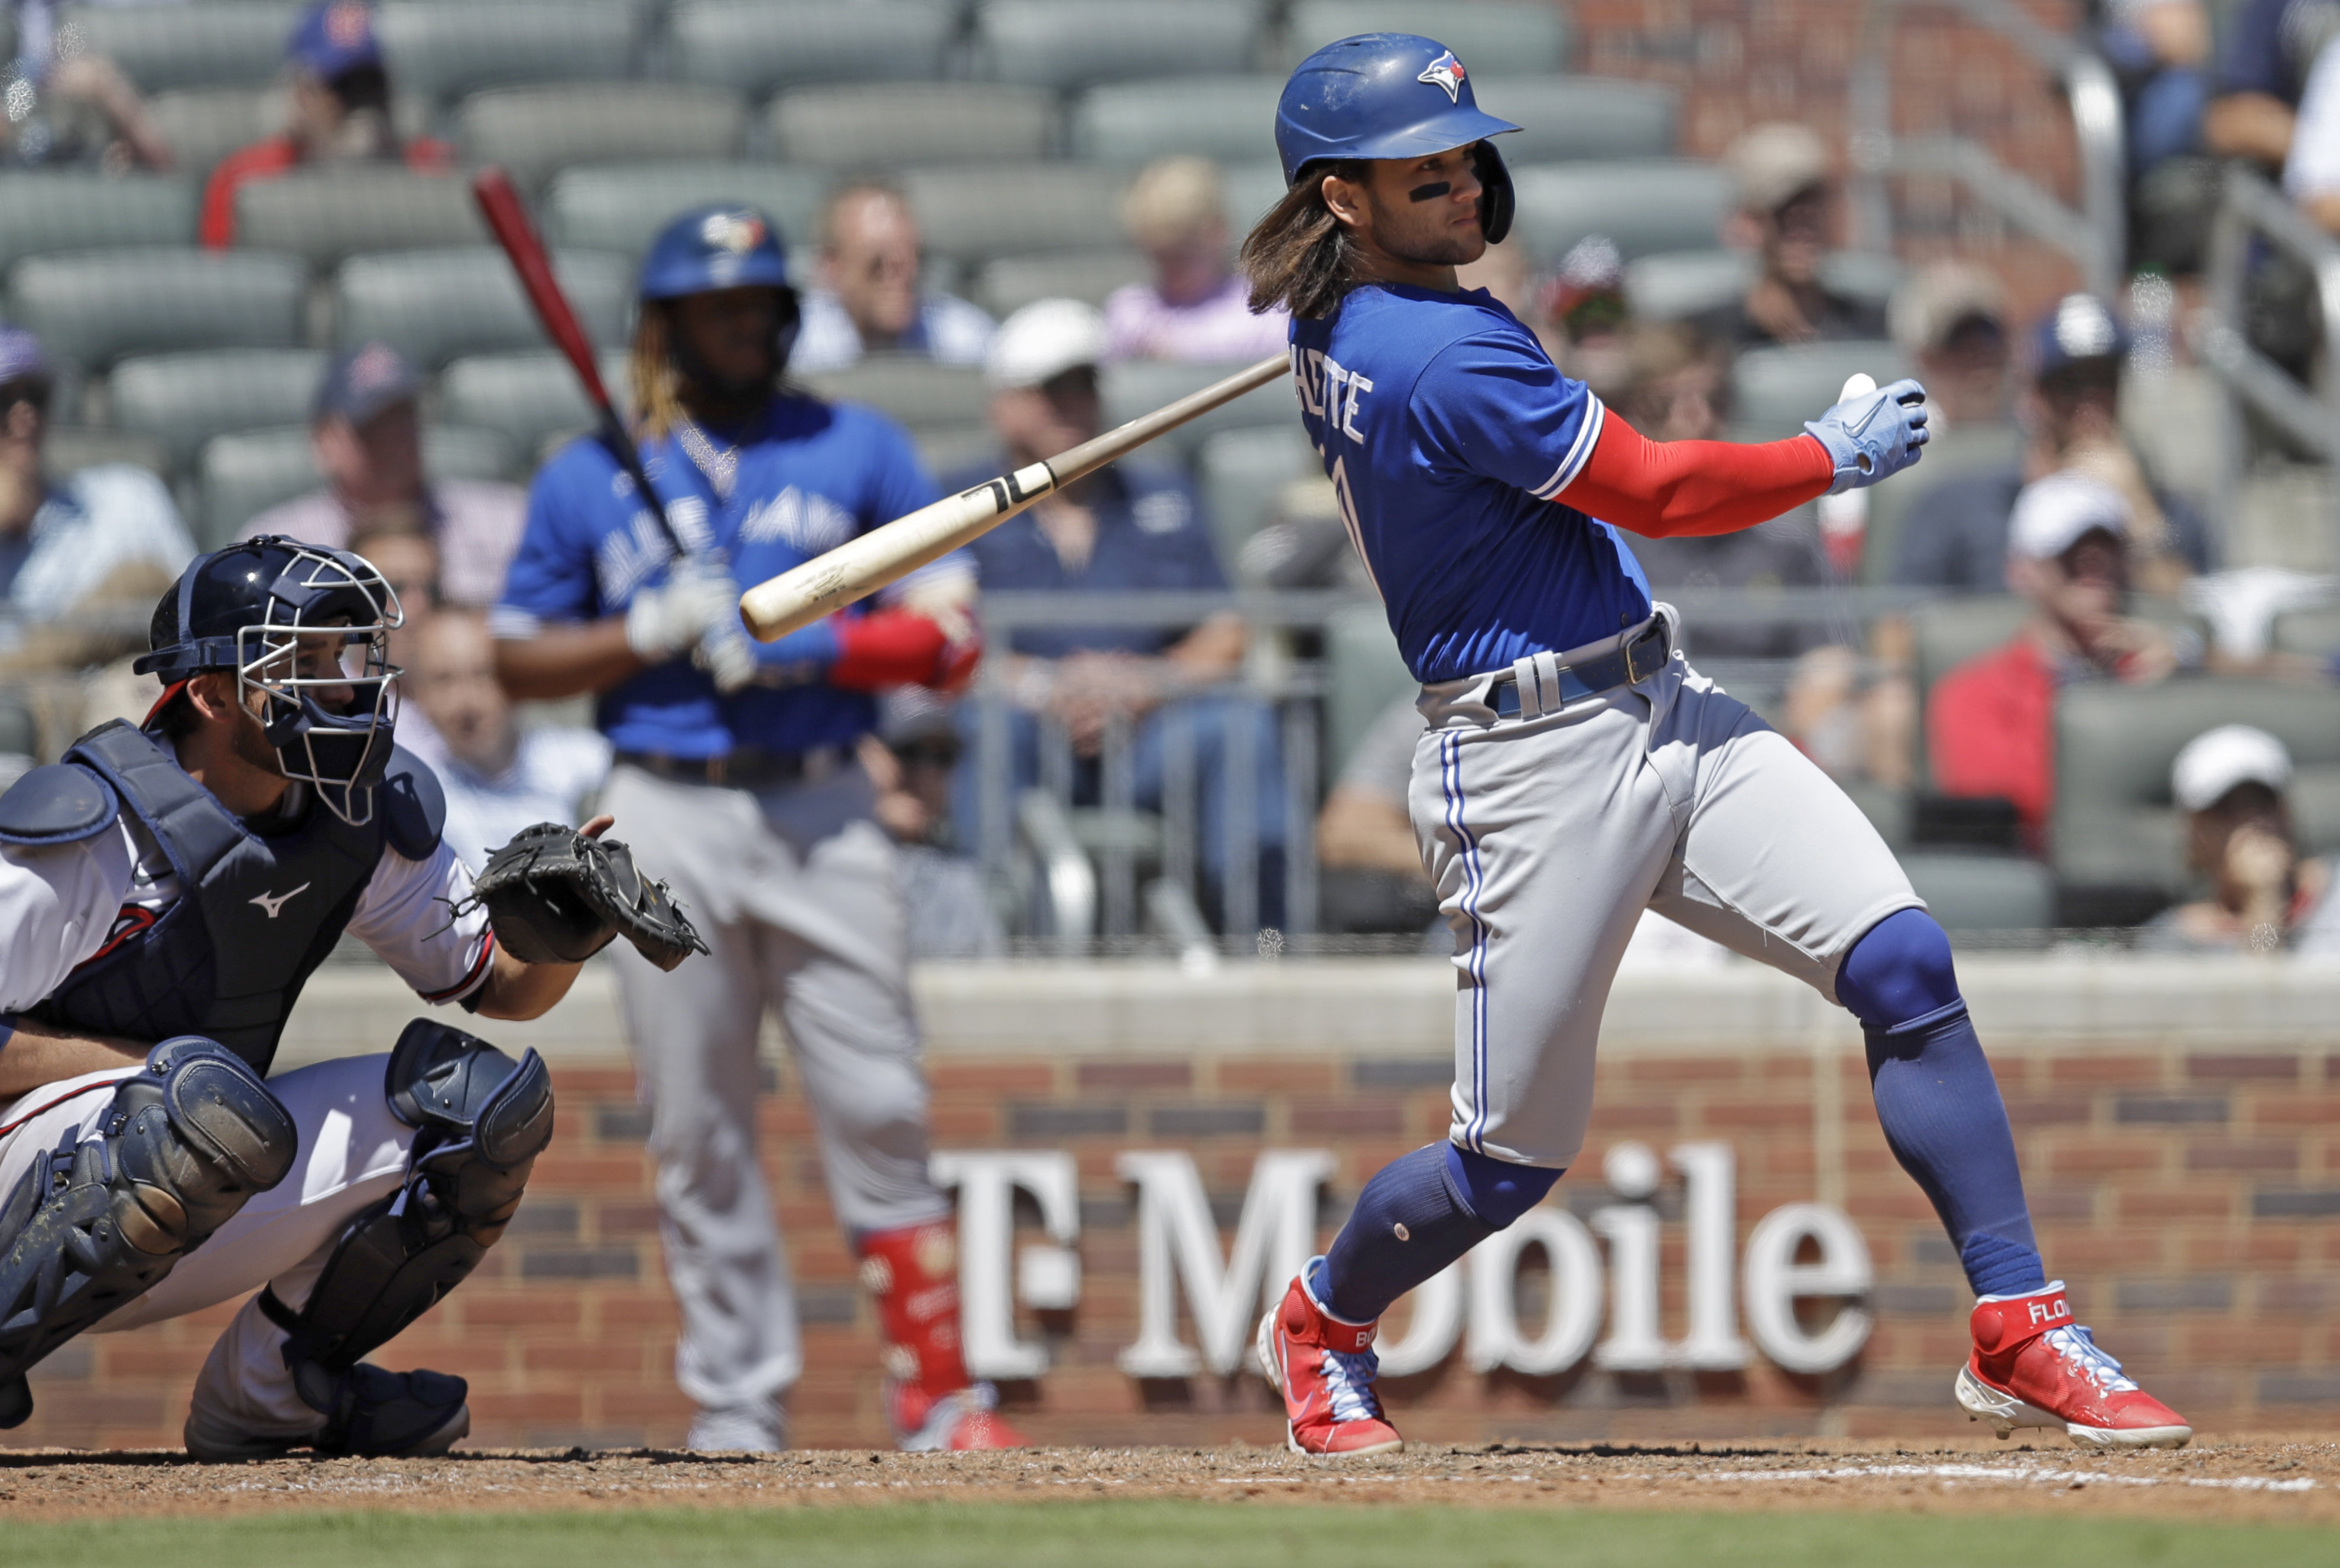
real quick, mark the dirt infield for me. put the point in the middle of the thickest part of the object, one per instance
(2269, 1481)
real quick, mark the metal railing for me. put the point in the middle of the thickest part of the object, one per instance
(2251, 213)
(2095, 235)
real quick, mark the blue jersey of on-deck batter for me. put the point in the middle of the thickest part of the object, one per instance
(1447, 430)
(817, 474)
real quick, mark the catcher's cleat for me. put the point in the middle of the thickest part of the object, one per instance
(913, 1273)
(2033, 1366)
(1325, 1369)
(963, 1421)
(375, 1415)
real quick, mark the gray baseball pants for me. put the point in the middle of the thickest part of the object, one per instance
(1546, 836)
(794, 890)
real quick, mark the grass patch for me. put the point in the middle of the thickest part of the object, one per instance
(1145, 1535)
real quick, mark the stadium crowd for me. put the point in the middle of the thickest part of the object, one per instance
(349, 371)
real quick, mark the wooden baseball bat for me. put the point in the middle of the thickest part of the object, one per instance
(507, 221)
(861, 566)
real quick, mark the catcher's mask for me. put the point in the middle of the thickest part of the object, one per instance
(307, 628)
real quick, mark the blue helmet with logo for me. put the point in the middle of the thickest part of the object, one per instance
(1390, 95)
(722, 247)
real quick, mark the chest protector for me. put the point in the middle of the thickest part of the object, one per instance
(255, 915)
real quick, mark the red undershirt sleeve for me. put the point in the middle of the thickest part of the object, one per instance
(1670, 489)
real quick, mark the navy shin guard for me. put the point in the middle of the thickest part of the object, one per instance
(1419, 1214)
(1937, 1100)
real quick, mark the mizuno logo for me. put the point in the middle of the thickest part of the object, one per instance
(274, 902)
(1445, 72)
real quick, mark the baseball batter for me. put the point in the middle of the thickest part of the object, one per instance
(165, 892)
(1575, 769)
(736, 760)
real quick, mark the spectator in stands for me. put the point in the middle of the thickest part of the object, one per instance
(1956, 536)
(2233, 784)
(104, 537)
(870, 300)
(367, 433)
(1370, 876)
(407, 556)
(340, 97)
(1126, 529)
(911, 759)
(1787, 209)
(499, 777)
(2311, 175)
(2270, 47)
(1950, 319)
(1990, 723)
(67, 106)
(1196, 308)
(2159, 51)
(1586, 322)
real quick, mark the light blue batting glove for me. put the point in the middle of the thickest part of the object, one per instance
(1872, 434)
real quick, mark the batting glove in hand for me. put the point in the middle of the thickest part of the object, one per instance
(1873, 435)
(697, 597)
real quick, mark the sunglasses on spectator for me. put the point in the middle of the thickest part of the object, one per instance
(28, 389)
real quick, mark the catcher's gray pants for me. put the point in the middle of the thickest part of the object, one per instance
(1548, 834)
(794, 890)
(353, 1155)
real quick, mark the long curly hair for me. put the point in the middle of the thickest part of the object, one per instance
(1299, 256)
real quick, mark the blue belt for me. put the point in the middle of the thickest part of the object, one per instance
(1637, 660)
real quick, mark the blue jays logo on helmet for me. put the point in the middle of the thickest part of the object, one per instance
(1445, 72)
(717, 247)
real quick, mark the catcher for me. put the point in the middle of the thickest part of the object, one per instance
(165, 890)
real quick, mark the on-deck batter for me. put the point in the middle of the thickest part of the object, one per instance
(1575, 769)
(736, 772)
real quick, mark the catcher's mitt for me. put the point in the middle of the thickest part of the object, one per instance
(555, 897)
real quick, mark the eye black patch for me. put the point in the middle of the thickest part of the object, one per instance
(1430, 191)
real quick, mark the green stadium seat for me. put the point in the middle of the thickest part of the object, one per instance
(1674, 285)
(243, 475)
(530, 397)
(951, 448)
(1252, 189)
(70, 448)
(917, 392)
(974, 215)
(1067, 44)
(883, 124)
(1946, 634)
(1230, 118)
(42, 211)
(434, 305)
(1240, 473)
(201, 125)
(221, 44)
(2113, 824)
(1566, 118)
(761, 46)
(1645, 205)
(620, 206)
(1983, 892)
(534, 132)
(442, 49)
(92, 307)
(1140, 386)
(1489, 36)
(184, 400)
(1011, 283)
(1773, 390)
(327, 215)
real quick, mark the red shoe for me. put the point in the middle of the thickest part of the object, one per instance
(2034, 1366)
(933, 1404)
(1325, 1369)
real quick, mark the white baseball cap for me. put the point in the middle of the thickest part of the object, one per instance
(1043, 341)
(2215, 761)
(2051, 514)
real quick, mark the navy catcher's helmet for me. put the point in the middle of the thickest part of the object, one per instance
(722, 247)
(292, 620)
(1390, 95)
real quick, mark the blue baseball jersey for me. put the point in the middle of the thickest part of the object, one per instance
(1446, 430)
(815, 475)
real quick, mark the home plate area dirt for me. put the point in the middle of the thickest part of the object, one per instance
(2267, 1480)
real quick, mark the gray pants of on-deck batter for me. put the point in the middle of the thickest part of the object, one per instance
(1548, 834)
(794, 890)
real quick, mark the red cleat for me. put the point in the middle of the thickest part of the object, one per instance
(1325, 1369)
(960, 1422)
(2034, 1366)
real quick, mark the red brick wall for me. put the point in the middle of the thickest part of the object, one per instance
(2193, 1199)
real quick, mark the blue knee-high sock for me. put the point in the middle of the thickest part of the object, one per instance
(1937, 1100)
(1420, 1213)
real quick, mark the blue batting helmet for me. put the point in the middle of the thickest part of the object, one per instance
(1390, 95)
(710, 248)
